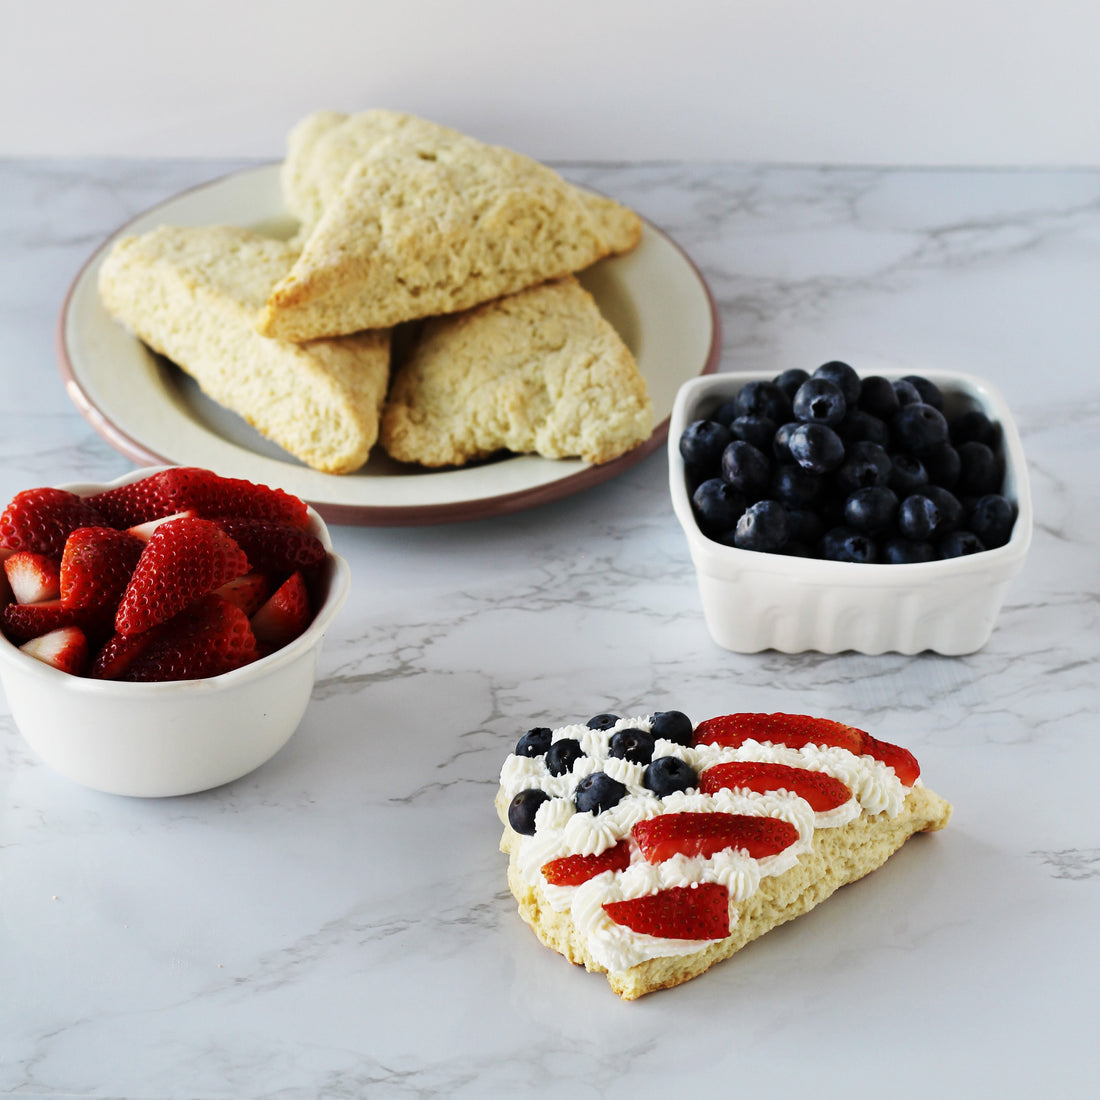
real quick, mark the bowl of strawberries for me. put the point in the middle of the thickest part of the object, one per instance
(159, 634)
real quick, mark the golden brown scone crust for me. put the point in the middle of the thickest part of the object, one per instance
(539, 371)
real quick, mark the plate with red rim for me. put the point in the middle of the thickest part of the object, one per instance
(149, 410)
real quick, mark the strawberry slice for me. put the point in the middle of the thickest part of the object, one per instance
(285, 615)
(212, 495)
(822, 791)
(704, 834)
(144, 531)
(699, 912)
(797, 730)
(96, 566)
(41, 519)
(207, 638)
(183, 560)
(23, 621)
(248, 591)
(138, 502)
(33, 577)
(573, 870)
(65, 648)
(273, 546)
(120, 651)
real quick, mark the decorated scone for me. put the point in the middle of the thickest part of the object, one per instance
(650, 849)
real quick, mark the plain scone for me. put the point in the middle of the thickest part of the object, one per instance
(539, 371)
(193, 294)
(424, 221)
(839, 856)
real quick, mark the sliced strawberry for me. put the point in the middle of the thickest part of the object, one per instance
(819, 789)
(65, 648)
(22, 621)
(573, 870)
(248, 591)
(119, 652)
(273, 546)
(209, 637)
(798, 730)
(96, 567)
(212, 495)
(41, 519)
(144, 531)
(135, 503)
(33, 577)
(699, 912)
(285, 615)
(183, 560)
(703, 834)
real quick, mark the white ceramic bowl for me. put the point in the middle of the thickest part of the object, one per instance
(174, 738)
(754, 601)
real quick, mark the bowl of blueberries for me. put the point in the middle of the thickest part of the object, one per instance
(833, 509)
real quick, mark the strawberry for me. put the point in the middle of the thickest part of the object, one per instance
(126, 505)
(22, 621)
(65, 648)
(144, 531)
(41, 519)
(285, 615)
(699, 912)
(33, 577)
(797, 730)
(573, 870)
(703, 834)
(209, 637)
(273, 546)
(211, 495)
(248, 591)
(183, 560)
(96, 567)
(819, 789)
(119, 652)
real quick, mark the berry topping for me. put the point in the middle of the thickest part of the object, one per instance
(991, 518)
(534, 742)
(23, 621)
(819, 401)
(672, 725)
(819, 789)
(762, 526)
(816, 447)
(919, 428)
(65, 649)
(668, 774)
(272, 546)
(562, 755)
(285, 615)
(747, 469)
(702, 443)
(717, 506)
(211, 495)
(41, 520)
(602, 721)
(598, 792)
(249, 591)
(703, 834)
(96, 566)
(631, 744)
(573, 870)
(32, 577)
(699, 912)
(523, 808)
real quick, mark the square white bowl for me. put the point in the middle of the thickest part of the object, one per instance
(754, 601)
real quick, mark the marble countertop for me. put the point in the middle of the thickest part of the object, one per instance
(338, 922)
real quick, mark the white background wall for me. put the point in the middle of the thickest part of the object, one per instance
(937, 82)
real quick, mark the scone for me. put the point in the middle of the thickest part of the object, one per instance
(539, 371)
(426, 221)
(649, 851)
(193, 294)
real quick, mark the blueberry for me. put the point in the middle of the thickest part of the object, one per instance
(757, 430)
(668, 774)
(598, 792)
(672, 725)
(907, 551)
(907, 474)
(907, 393)
(804, 528)
(871, 510)
(632, 744)
(991, 518)
(948, 504)
(819, 401)
(920, 518)
(790, 380)
(878, 397)
(981, 470)
(763, 399)
(717, 506)
(724, 413)
(918, 428)
(522, 810)
(859, 425)
(944, 465)
(562, 755)
(975, 426)
(816, 447)
(865, 465)
(844, 544)
(957, 544)
(781, 444)
(794, 486)
(602, 721)
(747, 469)
(762, 527)
(702, 443)
(534, 742)
(929, 392)
(843, 377)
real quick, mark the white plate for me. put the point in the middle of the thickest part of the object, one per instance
(150, 411)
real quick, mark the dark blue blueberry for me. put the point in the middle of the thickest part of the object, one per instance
(534, 742)
(747, 469)
(631, 744)
(975, 426)
(602, 721)
(907, 552)
(794, 486)
(948, 504)
(981, 470)
(598, 792)
(819, 401)
(944, 465)
(918, 428)
(522, 810)
(725, 412)
(957, 544)
(921, 518)
(858, 425)
(843, 377)
(717, 506)
(844, 544)
(672, 725)
(702, 443)
(781, 444)
(762, 527)
(816, 447)
(991, 519)
(878, 397)
(865, 465)
(562, 755)
(757, 430)
(804, 527)
(668, 774)
(763, 399)
(907, 474)
(871, 510)
(929, 392)
(907, 393)
(790, 380)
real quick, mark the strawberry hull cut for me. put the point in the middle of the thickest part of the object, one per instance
(65, 649)
(41, 520)
(574, 870)
(698, 912)
(704, 834)
(32, 577)
(823, 792)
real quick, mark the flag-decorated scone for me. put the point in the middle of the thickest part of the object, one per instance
(649, 850)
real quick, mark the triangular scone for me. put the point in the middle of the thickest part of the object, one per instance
(649, 852)
(540, 372)
(193, 294)
(429, 221)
